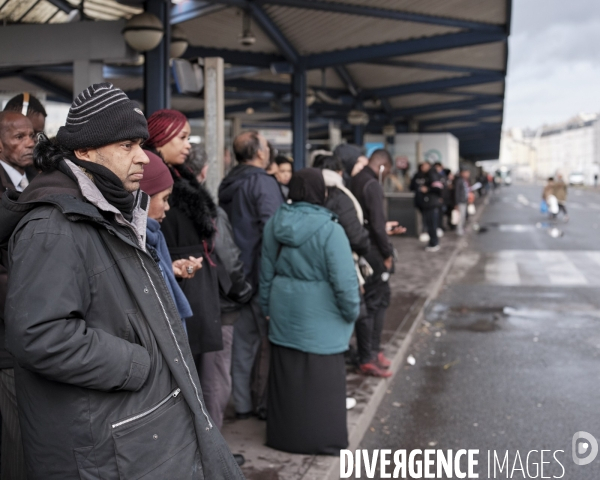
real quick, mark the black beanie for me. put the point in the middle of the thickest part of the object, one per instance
(101, 115)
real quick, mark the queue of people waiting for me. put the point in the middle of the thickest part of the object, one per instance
(444, 200)
(135, 305)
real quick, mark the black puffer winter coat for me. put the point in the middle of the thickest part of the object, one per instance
(106, 383)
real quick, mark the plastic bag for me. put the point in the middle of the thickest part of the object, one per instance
(552, 204)
(455, 217)
(471, 209)
(543, 207)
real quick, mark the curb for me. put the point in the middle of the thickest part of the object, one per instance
(329, 469)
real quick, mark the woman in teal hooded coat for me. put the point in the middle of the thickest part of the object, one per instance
(309, 290)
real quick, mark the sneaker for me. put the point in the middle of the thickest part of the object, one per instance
(432, 249)
(239, 459)
(440, 233)
(382, 361)
(244, 415)
(374, 371)
(350, 403)
(424, 237)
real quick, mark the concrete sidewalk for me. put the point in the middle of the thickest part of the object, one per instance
(418, 278)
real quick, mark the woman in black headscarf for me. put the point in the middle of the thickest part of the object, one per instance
(309, 290)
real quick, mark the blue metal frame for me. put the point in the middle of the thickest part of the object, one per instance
(236, 57)
(299, 118)
(44, 84)
(273, 32)
(63, 5)
(439, 107)
(365, 11)
(434, 85)
(345, 76)
(405, 47)
(191, 9)
(434, 66)
(484, 113)
(157, 74)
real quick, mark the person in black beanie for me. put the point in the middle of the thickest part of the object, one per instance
(105, 380)
(352, 159)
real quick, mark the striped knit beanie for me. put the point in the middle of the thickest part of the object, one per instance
(101, 115)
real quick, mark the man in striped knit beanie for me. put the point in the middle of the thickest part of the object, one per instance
(105, 381)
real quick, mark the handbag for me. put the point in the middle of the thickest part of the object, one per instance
(543, 207)
(455, 217)
(471, 209)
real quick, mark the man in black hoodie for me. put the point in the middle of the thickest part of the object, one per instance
(250, 197)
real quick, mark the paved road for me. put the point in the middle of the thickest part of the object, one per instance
(508, 359)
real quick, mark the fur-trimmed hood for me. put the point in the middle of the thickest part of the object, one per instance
(194, 201)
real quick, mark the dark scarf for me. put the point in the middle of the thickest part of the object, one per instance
(109, 185)
(194, 201)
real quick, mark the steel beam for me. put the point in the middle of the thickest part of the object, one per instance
(191, 9)
(405, 47)
(157, 74)
(63, 5)
(268, 26)
(367, 11)
(345, 76)
(460, 118)
(299, 118)
(440, 107)
(434, 66)
(236, 57)
(433, 85)
(48, 86)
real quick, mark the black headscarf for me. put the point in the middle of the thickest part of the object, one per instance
(308, 185)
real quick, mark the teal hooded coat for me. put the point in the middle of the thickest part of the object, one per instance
(308, 283)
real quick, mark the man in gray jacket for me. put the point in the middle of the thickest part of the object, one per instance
(106, 383)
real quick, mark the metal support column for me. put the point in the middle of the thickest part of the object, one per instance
(214, 122)
(299, 118)
(359, 133)
(86, 73)
(157, 75)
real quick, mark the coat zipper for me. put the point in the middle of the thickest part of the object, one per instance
(173, 394)
(210, 426)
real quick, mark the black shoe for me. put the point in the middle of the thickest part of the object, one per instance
(262, 414)
(239, 458)
(243, 416)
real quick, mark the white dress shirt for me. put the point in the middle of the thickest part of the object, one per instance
(15, 176)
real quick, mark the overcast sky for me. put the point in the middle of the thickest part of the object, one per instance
(554, 61)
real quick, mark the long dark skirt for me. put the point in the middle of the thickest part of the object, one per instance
(307, 402)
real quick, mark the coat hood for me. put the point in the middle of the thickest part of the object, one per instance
(231, 183)
(294, 224)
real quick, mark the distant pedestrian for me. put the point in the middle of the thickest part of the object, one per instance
(461, 199)
(284, 173)
(428, 188)
(309, 290)
(548, 195)
(560, 192)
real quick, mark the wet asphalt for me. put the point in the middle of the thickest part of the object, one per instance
(508, 357)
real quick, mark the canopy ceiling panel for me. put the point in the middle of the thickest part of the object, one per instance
(16, 84)
(376, 76)
(222, 29)
(490, 11)
(313, 31)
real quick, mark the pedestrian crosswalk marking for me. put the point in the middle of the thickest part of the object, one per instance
(560, 268)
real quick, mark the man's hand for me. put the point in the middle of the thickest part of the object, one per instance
(388, 262)
(424, 189)
(187, 268)
(394, 228)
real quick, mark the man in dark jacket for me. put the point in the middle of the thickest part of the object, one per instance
(367, 189)
(16, 155)
(106, 382)
(428, 199)
(250, 197)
